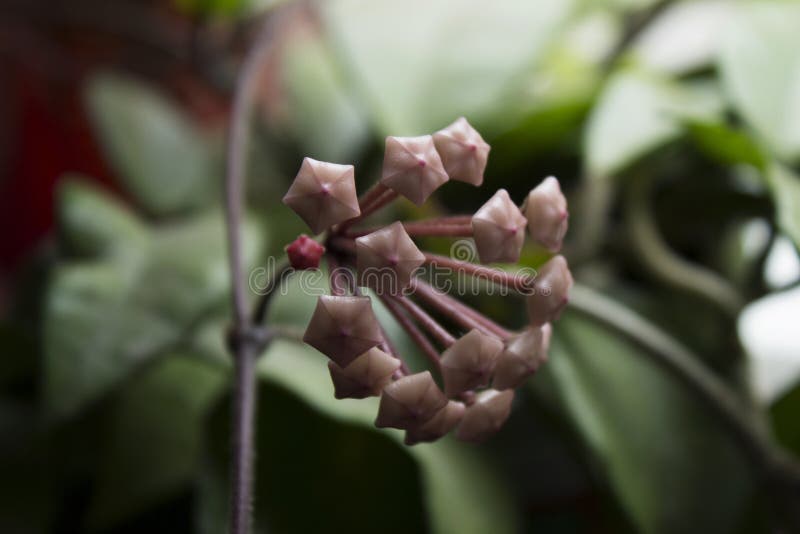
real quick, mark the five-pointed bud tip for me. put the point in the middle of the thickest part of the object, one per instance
(323, 194)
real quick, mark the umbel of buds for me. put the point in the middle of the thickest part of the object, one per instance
(477, 362)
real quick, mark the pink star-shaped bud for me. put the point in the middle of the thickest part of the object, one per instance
(366, 376)
(469, 362)
(323, 194)
(410, 402)
(486, 415)
(343, 328)
(386, 259)
(498, 228)
(548, 218)
(550, 291)
(463, 151)
(521, 357)
(412, 167)
(439, 425)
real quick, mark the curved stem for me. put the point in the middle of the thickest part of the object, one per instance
(740, 418)
(245, 344)
(663, 263)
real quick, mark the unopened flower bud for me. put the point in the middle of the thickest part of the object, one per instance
(499, 229)
(412, 167)
(486, 415)
(521, 357)
(546, 210)
(439, 425)
(343, 328)
(410, 402)
(366, 376)
(469, 362)
(550, 291)
(464, 152)
(386, 259)
(323, 194)
(304, 253)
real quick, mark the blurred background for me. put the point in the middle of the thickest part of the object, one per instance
(673, 126)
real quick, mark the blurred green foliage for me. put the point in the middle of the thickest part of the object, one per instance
(114, 394)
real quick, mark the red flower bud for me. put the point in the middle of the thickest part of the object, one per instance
(410, 401)
(412, 167)
(343, 328)
(304, 253)
(464, 152)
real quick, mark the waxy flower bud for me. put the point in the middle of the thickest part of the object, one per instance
(469, 362)
(387, 259)
(343, 328)
(550, 291)
(412, 167)
(521, 357)
(409, 402)
(439, 425)
(464, 152)
(499, 229)
(486, 415)
(323, 194)
(304, 253)
(366, 376)
(546, 210)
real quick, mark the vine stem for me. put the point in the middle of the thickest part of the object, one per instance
(247, 339)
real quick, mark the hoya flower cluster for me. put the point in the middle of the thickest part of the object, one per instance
(477, 362)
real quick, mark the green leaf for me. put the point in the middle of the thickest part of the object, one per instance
(726, 145)
(785, 423)
(105, 317)
(760, 71)
(162, 157)
(669, 462)
(785, 186)
(92, 223)
(638, 112)
(152, 447)
(341, 450)
(323, 115)
(423, 63)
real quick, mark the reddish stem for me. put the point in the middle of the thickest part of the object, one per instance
(335, 277)
(457, 311)
(413, 332)
(430, 324)
(426, 228)
(374, 199)
(520, 283)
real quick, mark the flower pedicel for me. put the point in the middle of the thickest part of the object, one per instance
(478, 361)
